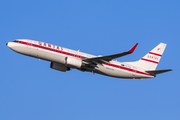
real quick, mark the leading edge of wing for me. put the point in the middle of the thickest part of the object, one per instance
(110, 57)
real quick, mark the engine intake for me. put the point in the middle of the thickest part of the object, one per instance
(60, 67)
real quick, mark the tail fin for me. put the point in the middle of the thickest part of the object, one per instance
(151, 59)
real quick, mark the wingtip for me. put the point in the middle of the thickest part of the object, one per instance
(133, 48)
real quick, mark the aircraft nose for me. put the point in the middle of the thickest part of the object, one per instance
(7, 44)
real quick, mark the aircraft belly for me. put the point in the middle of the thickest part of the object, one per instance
(113, 72)
(118, 73)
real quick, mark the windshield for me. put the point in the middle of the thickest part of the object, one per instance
(17, 41)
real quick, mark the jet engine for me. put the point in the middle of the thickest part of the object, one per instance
(59, 67)
(73, 62)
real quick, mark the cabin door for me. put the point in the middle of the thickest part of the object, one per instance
(134, 71)
(29, 44)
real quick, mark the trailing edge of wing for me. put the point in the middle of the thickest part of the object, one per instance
(155, 72)
(110, 57)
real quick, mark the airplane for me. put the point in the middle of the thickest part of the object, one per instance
(64, 59)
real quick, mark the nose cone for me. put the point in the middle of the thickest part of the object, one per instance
(9, 44)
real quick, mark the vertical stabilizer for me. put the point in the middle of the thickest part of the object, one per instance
(151, 59)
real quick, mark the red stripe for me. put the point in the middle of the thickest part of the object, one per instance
(149, 60)
(51, 49)
(82, 57)
(128, 69)
(155, 54)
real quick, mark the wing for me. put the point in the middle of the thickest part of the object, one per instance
(110, 57)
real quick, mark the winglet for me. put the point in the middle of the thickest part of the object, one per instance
(133, 48)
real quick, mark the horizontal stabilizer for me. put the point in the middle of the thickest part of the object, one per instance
(155, 72)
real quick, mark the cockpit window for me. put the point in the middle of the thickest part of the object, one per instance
(17, 41)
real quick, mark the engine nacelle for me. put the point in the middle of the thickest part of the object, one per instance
(73, 62)
(59, 67)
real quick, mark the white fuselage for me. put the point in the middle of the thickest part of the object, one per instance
(58, 54)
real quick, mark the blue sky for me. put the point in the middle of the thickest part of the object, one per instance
(30, 90)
